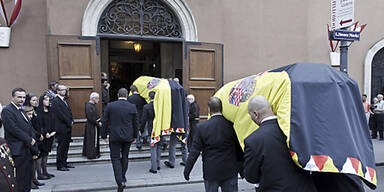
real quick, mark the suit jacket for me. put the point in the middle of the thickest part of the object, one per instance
(268, 161)
(139, 102)
(148, 116)
(105, 97)
(63, 116)
(222, 154)
(18, 130)
(120, 121)
(194, 112)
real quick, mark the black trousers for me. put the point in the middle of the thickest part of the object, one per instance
(24, 165)
(62, 150)
(379, 125)
(119, 157)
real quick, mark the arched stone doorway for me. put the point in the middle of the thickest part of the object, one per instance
(374, 70)
(95, 9)
(377, 76)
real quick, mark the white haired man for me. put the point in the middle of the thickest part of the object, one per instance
(91, 146)
(379, 113)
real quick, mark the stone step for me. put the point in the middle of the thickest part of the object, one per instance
(106, 158)
(105, 150)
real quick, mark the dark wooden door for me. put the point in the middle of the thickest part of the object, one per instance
(74, 62)
(377, 75)
(202, 72)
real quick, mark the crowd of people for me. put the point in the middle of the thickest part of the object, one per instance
(32, 123)
(375, 115)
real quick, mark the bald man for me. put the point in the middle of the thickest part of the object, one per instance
(63, 127)
(268, 162)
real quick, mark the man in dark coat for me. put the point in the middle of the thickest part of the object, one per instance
(19, 135)
(193, 117)
(104, 92)
(147, 119)
(139, 101)
(222, 154)
(120, 122)
(63, 126)
(267, 159)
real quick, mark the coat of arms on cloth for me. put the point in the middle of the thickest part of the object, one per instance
(242, 91)
(153, 83)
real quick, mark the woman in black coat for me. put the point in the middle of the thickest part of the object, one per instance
(31, 100)
(45, 120)
(91, 146)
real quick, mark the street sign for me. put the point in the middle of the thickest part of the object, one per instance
(343, 35)
(342, 13)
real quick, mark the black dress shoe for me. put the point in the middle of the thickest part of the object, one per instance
(182, 163)
(168, 164)
(43, 177)
(50, 175)
(33, 186)
(152, 171)
(63, 169)
(121, 187)
(37, 183)
(158, 168)
(70, 166)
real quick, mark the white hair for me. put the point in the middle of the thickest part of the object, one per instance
(93, 95)
(190, 96)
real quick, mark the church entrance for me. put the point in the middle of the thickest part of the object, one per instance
(377, 77)
(126, 60)
(129, 39)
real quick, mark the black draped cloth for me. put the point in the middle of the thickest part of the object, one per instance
(91, 146)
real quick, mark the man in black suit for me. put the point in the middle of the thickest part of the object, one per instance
(267, 159)
(139, 101)
(120, 122)
(63, 126)
(222, 154)
(147, 119)
(20, 138)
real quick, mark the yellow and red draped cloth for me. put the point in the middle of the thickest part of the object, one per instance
(320, 111)
(170, 106)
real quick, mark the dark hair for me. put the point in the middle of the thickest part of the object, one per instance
(17, 90)
(123, 92)
(28, 98)
(365, 95)
(214, 104)
(133, 88)
(151, 95)
(40, 108)
(52, 83)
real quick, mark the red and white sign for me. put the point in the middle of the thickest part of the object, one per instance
(14, 15)
(342, 13)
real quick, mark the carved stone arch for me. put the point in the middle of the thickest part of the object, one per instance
(368, 67)
(95, 9)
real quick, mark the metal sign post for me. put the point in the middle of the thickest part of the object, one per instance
(342, 16)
